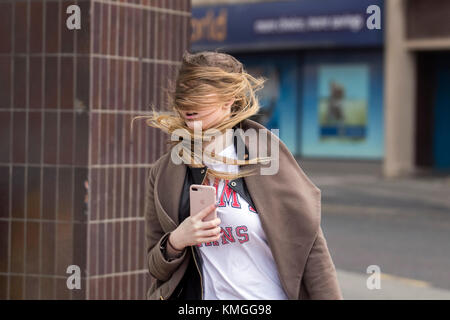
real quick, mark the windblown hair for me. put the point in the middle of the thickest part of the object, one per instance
(200, 75)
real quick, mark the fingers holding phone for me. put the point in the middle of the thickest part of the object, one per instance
(194, 230)
(203, 224)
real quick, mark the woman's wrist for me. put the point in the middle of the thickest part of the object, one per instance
(171, 253)
(174, 247)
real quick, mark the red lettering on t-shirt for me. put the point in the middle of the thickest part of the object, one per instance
(241, 231)
(227, 195)
(228, 234)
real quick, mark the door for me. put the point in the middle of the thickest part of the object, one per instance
(441, 134)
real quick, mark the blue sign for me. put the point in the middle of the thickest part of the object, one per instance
(302, 23)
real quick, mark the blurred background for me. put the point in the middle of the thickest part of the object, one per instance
(359, 89)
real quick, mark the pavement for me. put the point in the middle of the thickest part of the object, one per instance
(353, 286)
(400, 225)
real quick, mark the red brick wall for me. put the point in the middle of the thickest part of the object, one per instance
(66, 101)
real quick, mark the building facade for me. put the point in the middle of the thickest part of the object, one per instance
(417, 87)
(341, 88)
(324, 67)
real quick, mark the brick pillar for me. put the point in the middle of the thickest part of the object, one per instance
(72, 177)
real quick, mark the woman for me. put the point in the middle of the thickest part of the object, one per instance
(266, 242)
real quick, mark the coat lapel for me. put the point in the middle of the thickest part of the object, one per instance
(288, 204)
(168, 186)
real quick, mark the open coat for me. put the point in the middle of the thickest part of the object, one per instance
(289, 206)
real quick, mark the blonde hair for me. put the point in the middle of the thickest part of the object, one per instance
(199, 75)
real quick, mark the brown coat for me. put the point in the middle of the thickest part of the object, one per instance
(289, 206)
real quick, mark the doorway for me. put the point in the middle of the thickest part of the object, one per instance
(433, 111)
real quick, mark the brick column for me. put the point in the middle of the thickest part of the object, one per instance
(72, 177)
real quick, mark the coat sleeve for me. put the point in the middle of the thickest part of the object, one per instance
(159, 267)
(320, 277)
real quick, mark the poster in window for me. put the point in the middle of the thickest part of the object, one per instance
(343, 103)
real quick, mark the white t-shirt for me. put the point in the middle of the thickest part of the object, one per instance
(240, 265)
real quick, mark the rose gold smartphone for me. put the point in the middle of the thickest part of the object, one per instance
(201, 197)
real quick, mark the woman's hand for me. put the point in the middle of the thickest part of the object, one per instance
(193, 230)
